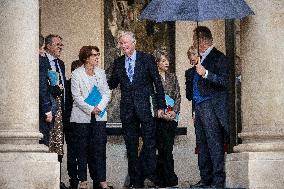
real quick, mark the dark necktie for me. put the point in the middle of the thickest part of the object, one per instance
(58, 71)
(60, 79)
(130, 70)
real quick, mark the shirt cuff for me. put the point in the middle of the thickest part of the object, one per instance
(47, 113)
(206, 74)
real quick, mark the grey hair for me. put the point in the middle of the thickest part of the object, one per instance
(127, 33)
(158, 53)
(48, 39)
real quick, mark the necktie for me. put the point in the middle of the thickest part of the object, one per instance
(58, 71)
(60, 80)
(130, 70)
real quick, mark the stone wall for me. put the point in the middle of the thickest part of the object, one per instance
(77, 22)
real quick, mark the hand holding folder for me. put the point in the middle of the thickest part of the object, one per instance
(170, 104)
(94, 99)
(53, 77)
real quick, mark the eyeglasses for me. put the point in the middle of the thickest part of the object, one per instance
(96, 54)
(58, 44)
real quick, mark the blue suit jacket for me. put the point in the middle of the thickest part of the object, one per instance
(135, 96)
(46, 100)
(215, 85)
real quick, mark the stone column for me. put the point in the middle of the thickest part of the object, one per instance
(259, 161)
(23, 162)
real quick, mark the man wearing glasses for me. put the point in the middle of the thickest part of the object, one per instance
(49, 88)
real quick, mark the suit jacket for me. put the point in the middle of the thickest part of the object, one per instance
(81, 88)
(46, 100)
(215, 85)
(171, 88)
(135, 95)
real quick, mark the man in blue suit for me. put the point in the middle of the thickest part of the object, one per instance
(47, 105)
(138, 76)
(207, 87)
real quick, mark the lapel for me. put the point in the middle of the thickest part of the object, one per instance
(61, 65)
(137, 66)
(209, 58)
(84, 77)
(62, 68)
(45, 62)
(123, 69)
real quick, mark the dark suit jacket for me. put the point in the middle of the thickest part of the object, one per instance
(135, 96)
(215, 85)
(46, 100)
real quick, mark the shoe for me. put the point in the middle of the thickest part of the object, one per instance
(201, 184)
(219, 185)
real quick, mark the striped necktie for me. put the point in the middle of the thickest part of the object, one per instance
(130, 70)
(57, 70)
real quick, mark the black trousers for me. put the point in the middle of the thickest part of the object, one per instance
(165, 136)
(86, 145)
(140, 166)
(44, 128)
(210, 135)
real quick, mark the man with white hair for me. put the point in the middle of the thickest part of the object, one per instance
(138, 76)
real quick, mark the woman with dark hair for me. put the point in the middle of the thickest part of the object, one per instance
(167, 124)
(70, 135)
(88, 118)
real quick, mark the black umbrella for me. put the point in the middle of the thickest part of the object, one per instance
(195, 10)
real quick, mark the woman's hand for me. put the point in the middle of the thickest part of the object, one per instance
(96, 111)
(172, 114)
(160, 113)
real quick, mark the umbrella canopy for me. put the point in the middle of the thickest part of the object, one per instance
(195, 10)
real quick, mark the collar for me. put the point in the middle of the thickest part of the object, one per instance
(50, 57)
(203, 55)
(132, 57)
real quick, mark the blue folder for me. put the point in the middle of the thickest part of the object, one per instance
(171, 102)
(94, 99)
(53, 77)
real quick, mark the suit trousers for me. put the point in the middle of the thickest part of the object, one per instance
(211, 144)
(165, 136)
(97, 150)
(70, 134)
(143, 165)
(87, 146)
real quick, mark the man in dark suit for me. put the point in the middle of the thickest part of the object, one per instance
(47, 93)
(206, 86)
(138, 76)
